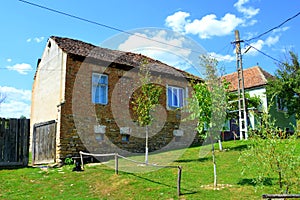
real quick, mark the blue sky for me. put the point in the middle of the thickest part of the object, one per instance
(209, 24)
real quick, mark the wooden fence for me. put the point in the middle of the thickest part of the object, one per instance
(14, 142)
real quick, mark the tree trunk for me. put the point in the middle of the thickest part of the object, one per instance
(220, 145)
(214, 160)
(146, 148)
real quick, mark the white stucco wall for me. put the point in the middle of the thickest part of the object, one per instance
(49, 85)
(259, 92)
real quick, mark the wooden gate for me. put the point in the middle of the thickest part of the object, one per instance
(44, 136)
(14, 142)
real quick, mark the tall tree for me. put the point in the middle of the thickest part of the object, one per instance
(286, 85)
(145, 99)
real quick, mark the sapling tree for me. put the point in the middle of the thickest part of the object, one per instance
(272, 156)
(145, 100)
(208, 106)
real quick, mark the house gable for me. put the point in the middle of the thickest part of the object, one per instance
(74, 62)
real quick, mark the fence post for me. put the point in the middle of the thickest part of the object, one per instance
(116, 164)
(179, 180)
(81, 158)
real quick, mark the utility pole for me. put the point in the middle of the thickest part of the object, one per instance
(243, 125)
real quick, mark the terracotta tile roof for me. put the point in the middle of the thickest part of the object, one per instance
(253, 77)
(80, 48)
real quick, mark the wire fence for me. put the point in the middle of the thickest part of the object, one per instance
(117, 156)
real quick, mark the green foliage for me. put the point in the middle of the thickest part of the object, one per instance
(208, 101)
(145, 99)
(286, 85)
(69, 161)
(253, 103)
(272, 155)
(199, 106)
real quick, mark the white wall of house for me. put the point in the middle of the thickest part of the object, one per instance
(261, 93)
(49, 85)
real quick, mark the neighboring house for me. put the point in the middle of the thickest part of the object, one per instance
(81, 102)
(255, 81)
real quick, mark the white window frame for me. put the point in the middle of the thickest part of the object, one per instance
(174, 100)
(96, 84)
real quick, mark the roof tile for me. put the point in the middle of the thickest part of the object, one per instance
(253, 77)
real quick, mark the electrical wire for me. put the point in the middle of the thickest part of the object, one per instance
(272, 29)
(105, 26)
(264, 53)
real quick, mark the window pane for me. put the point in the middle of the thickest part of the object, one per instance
(175, 97)
(180, 97)
(103, 80)
(99, 88)
(169, 97)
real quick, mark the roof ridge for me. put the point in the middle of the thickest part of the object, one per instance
(81, 48)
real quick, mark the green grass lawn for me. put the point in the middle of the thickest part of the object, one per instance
(100, 182)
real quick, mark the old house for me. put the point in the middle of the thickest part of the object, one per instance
(81, 100)
(255, 81)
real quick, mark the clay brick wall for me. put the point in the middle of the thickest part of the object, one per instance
(79, 115)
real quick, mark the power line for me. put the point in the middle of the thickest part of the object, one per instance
(272, 29)
(264, 53)
(105, 26)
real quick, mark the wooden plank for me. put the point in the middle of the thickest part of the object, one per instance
(6, 151)
(280, 196)
(2, 130)
(25, 139)
(11, 164)
(13, 126)
(44, 142)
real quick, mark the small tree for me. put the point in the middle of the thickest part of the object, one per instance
(145, 99)
(272, 155)
(208, 105)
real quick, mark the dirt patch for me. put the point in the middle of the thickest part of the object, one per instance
(219, 187)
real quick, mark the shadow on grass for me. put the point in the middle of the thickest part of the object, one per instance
(239, 148)
(193, 160)
(183, 191)
(15, 167)
(253, 182)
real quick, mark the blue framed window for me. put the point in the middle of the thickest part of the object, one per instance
(99, 88)
(175, 97)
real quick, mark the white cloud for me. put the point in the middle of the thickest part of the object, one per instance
(282, 29)
(222, 58)
(177, 21)
(39, 39)
(36, 39)
(205, 27)
(259, 44)
(210, 26)
(139, 42)
(173, 49)
(8, 59)
(271, 40)
(16, 103)
(248, 12)
(22, 68)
